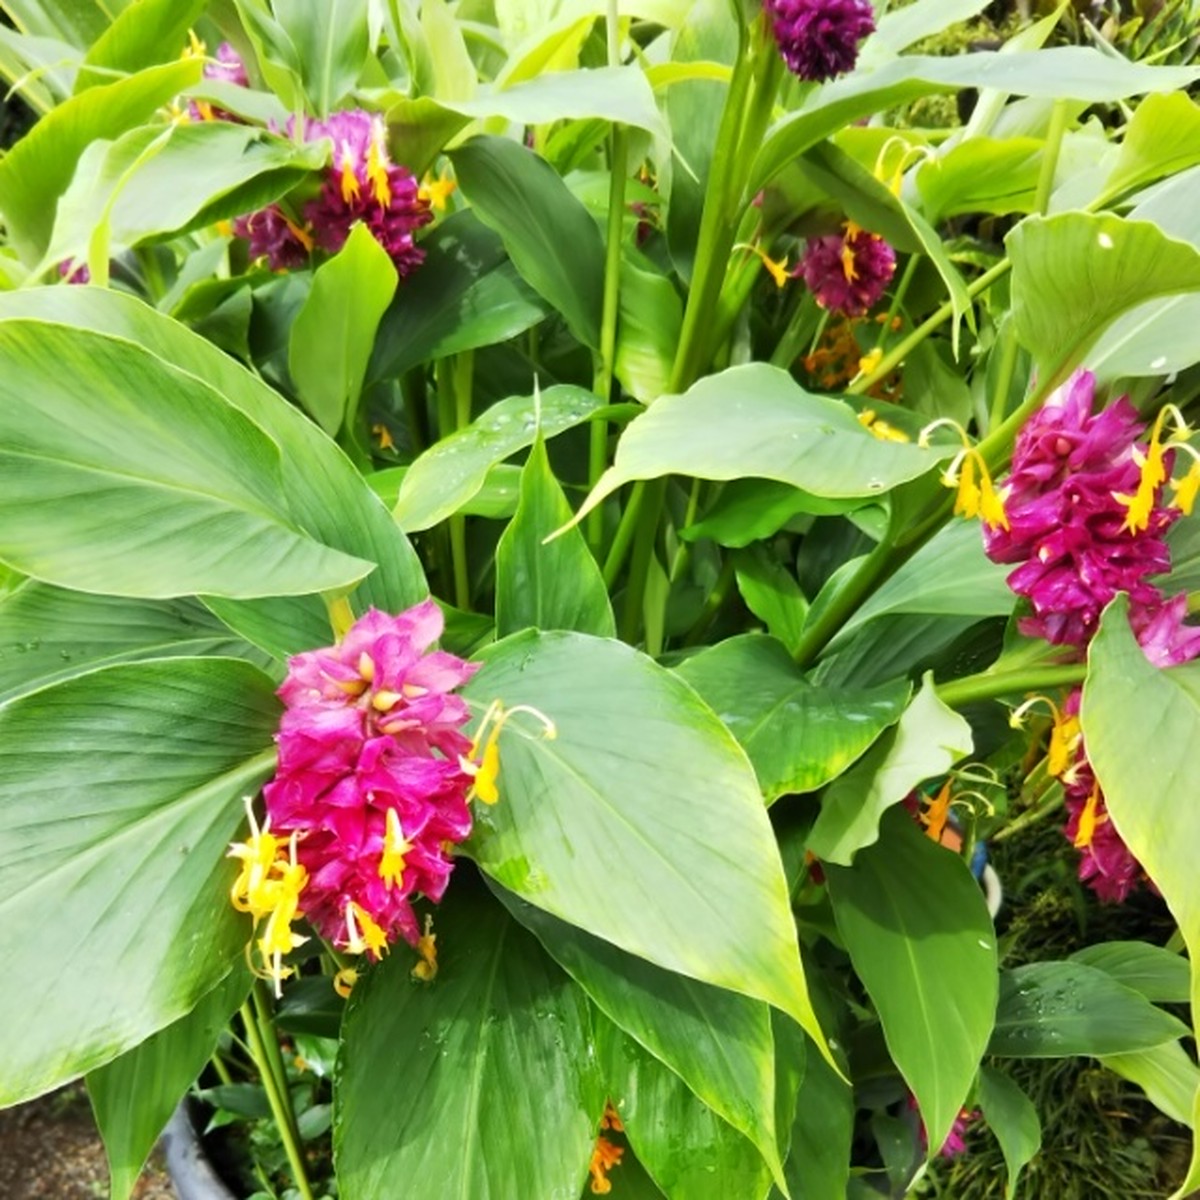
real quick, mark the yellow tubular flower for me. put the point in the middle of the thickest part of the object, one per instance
(426, 970)
(483, 761)
(936, 815)
(344, 981)
(362, 934)
(395, 847)
(377, 169)
(1089, 819)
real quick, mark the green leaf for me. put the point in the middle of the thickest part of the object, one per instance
(1064, 72)
(134, 1095)
(491, 1088)
(554, 586)
(799, 736)
(449, 473)
(597, 827)
(159, 181)
(466, 295)
(1012, 1117)
(651, 315)
(182, 488)
(818, 1163)
(48, 634)
(278, 58)
(749, 509)
(318, 483)
(772, 594)
(145, 34)
(1056, 1009)
(332, 42)
(1166, 1073)
(79, 22)
(1159, 974)
(981, 175)
(689, 1152)
(720, 1044)
(1075, 273)
(927, 742)
(755, 420)
(334, 333)
(37, 170)
(549, 235)
(899, 29)
(119, 793)
(918, 932)
(1162, 138)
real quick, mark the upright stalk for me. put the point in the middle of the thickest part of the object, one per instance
(455, 379)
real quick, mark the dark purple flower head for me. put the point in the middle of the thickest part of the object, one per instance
(275, 237)
(848, 272)
(1068, 526)
(819, 38)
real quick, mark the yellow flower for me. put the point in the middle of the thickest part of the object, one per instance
(977, 495)
(483, 761)
(362, 934)
(937, 813)
(426, 970)
(1089, 819)
(395, 847)
(344, 981)
(437, 191)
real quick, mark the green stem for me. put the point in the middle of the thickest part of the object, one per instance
(647, 513)
(221, 1069)
(796, 334)
(275, 1085)
(1008, 350)
(910, 269)
(615, 559)
(1050, 153)
(454, 383)
(714, 601)
(988, 686)
(1031, 816)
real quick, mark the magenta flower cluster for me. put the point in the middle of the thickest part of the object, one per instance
(848, 272)
(1074, 472)
(371, 776)
(819, 38)
(360, 184)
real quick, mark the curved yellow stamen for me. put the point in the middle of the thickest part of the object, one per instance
(395, 847)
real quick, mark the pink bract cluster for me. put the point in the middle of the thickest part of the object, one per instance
(819, 38)
(1076, 546)
(848, 272)
(370, 772)
(360, 184)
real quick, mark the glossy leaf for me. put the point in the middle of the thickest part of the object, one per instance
(119, 793)
(594, 826)
(651, 315)
(491, 1089)
(799, 736)
(1075, 273)
(918, 932)
(37, 170)
(755, 420)
(549, 235)
(466, 295)
(134, 1095)
(689, 1152)
(981, 175)
(1157, 973)
(750, 509)
(278, 58)
(1162, 138)
(772, 594)
(547, 586)
(1166, 1073)
(332, 43)
(334, 333)
(82, 414)
(1056, 1009)
(79, 22)
(143, 35)
(718, 1043)
(48, 634)
(1012, 1117)
(818, 1163)
(318, 483)
(927, 742)
(453, 470)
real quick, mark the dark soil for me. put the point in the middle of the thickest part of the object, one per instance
(50, 1150)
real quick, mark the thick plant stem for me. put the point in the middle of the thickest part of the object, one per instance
(624, 535)
(454, 384)
(987, 686)
(1054, 139)
(275, 1085)
(648, 514)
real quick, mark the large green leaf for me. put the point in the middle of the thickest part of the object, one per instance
(755, 420)
(79, 22)
(119, 792)
(1065, 72)
(547, 586)
(181, 489)
(651, 315)
(920, 938)
(1166, 1074)
(641, 821)
(35, 173)
(818, 1162)
(1056, 1009)
(158, 181)
(549, 235)
(719, 1043)
(1013, 1118)
(899, 29)
(690, 1153)
(318, 482)
(799, 736)
(1075, 273)
(1157, 973)
(332, 42)
(1141, 725)
(772, 593)
(146, 33)
(491, 1088)
(981, 175)
(466, 295)
(48, 634)
(134, 1095)
(449, 473)
(927, 742)
(334, 332)
(1162, 138)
